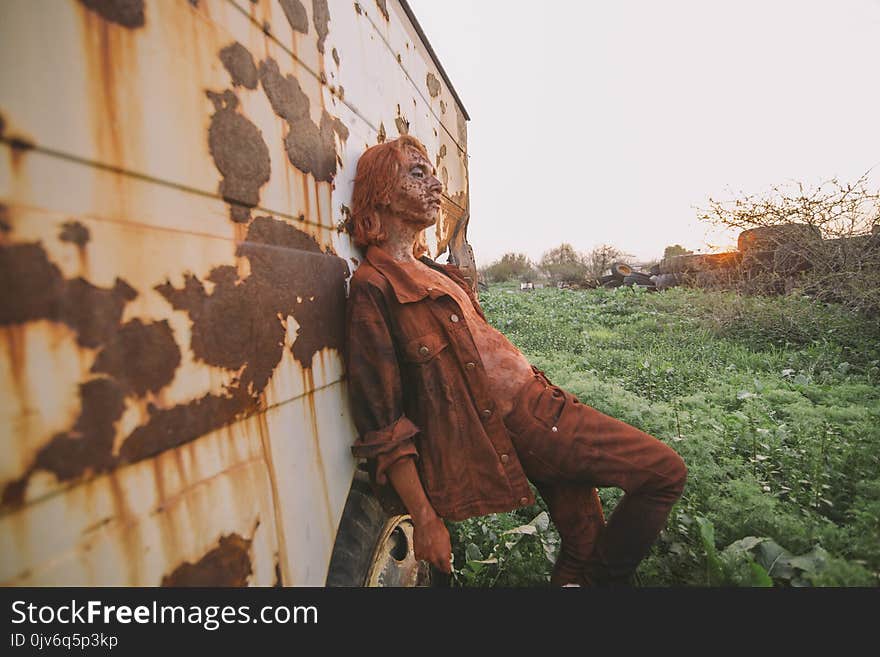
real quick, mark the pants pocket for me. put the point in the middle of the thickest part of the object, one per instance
(539, 453)
(548, 407)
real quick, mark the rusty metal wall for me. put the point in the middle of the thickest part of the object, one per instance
(173, 272)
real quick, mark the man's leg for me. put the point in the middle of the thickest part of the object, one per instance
(576, 512)
(559, 439)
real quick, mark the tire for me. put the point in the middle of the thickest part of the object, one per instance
(373, 548)
(637, 278)
(620, 270)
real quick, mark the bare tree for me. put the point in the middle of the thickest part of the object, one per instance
(599, 260)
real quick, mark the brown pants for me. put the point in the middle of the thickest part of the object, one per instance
(567, 449)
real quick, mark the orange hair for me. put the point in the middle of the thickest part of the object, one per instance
(377, 172)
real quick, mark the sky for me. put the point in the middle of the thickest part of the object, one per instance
(612, 122)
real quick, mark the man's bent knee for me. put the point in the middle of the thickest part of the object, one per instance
(677, 474)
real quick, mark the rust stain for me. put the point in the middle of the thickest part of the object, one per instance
(183, 423)
(402, 125)
(461, 125)
(285, 263)
(127, 13)
(263, 430)
(107, 65)
(5, 225)
(321, 18)
(75, 233)
(228, 564)
(161, 488)
(344, 224)
(87, 446)
(304, 187)
(239, 153)
(453, 209)
(309, 387)
(14, 339)
(310, 148)
(238, 326)
(443, 107)
(383, 8)
(32, 288)
(240, 64)
(141, 357)
(440, 155)
(335, 56)
(433, 85)
(296, 15)
(18, 146)
(381, 136)
(132, 543)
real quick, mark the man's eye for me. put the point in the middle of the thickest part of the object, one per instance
(418, 173)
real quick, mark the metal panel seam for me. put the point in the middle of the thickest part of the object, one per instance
(158, 181)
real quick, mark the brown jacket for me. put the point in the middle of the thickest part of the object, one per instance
(418, 389)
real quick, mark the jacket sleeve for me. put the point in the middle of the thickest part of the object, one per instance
(385, 434)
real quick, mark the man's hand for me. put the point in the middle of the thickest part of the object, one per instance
(431, 543)
(430, 538)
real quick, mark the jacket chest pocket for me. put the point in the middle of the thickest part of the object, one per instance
(424, 348)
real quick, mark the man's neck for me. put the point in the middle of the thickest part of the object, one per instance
(402, 236)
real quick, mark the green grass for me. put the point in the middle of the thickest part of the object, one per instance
(773, 403)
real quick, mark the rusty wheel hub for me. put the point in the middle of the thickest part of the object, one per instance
(394, 563)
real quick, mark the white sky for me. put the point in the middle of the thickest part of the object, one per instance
(607, 122)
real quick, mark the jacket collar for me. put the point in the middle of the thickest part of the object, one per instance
(406, 287)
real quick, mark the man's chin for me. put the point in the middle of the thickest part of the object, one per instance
(425, 221)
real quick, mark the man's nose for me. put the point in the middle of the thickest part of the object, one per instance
(435, 184)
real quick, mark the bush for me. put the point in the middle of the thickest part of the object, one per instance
(511, 266)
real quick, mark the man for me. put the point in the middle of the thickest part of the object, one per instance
(453, 418)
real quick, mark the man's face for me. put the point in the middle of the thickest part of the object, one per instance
(416, 196)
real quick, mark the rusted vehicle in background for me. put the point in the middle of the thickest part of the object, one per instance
(174, 181)
(771, 257)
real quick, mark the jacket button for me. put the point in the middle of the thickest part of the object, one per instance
(554, 429)
(504, 458)
(524, 500)
(470, 365)
(454, 318)
(487, 412)
(424, 350)
(429, 288)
